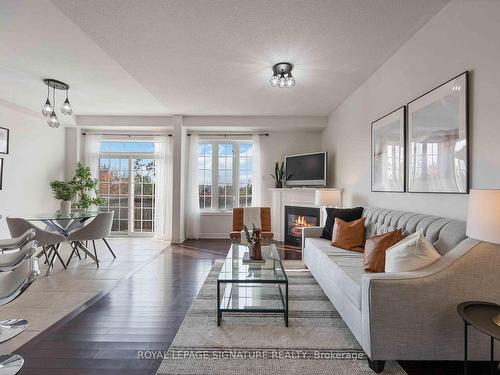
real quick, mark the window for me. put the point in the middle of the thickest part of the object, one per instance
(245, 178)
(126, 182)
(114, 188)
(225, 176)
(205, 175)
(227, 166)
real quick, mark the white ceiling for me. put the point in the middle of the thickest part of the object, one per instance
(37, 41)
(199, 57)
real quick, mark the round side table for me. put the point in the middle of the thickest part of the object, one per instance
(480, 316)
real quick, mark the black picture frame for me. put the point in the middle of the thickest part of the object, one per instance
(1, 173)
(4, 132)
(399, 183)
(458, 87)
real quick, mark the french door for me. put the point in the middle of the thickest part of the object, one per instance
(127, 183)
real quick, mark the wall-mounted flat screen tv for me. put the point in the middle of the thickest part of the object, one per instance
(306, 169)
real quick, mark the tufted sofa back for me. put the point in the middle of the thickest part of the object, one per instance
(443, 233)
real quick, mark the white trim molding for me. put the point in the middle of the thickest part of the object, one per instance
(300, 197)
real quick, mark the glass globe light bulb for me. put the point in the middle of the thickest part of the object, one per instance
(290, 81)
(53, 121)
(282, 82)
(274, 81)
(47, 108)
(66, 108)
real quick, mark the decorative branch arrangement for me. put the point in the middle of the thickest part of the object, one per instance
(253, 239)
(250, 238)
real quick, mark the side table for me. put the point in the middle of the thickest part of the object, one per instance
(480, 316)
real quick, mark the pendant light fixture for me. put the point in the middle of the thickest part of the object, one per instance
(282, 76)
(49, 108)
(53, 120)
(66, 107)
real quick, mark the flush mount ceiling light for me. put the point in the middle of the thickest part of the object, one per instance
(49, 108)
(282, 75)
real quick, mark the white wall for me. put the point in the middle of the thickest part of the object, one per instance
(287, 135)
(273, 148)
(36, 157)
(255, 123)
(462, 36)
(276, 146)
(179, 160)
(74, 151)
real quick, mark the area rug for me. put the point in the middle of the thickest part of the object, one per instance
(316, 342)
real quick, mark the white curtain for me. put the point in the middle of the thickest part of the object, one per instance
(92, 148)
(256, 172)
(163, 188)
(193, 204)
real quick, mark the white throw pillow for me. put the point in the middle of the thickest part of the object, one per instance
(410, 254)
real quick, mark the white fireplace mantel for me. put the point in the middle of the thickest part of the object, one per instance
(300, 197)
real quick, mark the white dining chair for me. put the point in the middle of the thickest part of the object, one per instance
(18, 270)
(98, 229)
(48, 241)
(19, 241)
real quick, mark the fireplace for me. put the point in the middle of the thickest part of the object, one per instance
(297, 218)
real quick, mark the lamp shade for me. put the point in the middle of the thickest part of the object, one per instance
(483, 219)
(328, 198)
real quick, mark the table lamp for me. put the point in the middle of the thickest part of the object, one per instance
(483, 219)
(328, 198)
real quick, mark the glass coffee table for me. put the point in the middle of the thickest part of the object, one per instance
(250, 286)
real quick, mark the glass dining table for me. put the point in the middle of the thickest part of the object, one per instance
(65, 223)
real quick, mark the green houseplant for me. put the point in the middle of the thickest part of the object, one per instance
(279, 174)
(64, 192)
(86, 188)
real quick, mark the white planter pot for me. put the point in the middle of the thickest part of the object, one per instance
(65, 207)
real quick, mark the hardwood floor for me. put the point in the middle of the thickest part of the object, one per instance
(53, 297)
(143, 312)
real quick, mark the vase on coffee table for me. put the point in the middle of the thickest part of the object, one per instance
(256, 254)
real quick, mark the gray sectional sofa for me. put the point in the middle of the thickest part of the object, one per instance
(410, 315)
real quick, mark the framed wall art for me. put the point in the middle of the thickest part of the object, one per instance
(4, 141)
(438, 139)
(388, 152)
(1, 173)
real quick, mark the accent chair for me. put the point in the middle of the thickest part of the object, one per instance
(239, 222)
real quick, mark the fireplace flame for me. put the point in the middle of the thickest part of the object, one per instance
(295, 223)
(301, 222)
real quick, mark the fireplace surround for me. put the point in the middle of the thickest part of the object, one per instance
(297, 218)
(299, 197)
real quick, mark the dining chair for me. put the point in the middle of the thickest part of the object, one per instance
(18, 270)
(17, 242)
(10, 259)
(49, 241)
(97, 229)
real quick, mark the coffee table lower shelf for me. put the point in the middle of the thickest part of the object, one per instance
(252, 297)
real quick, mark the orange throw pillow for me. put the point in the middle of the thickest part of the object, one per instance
(349, 235)
(376, 247)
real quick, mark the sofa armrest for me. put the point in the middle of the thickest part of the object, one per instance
(311, 232)
(412, 315)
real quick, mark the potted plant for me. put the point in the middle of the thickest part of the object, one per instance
(279, 174)
(86, 188)
(64, 192)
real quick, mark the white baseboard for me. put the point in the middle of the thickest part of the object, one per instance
(214, 235)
